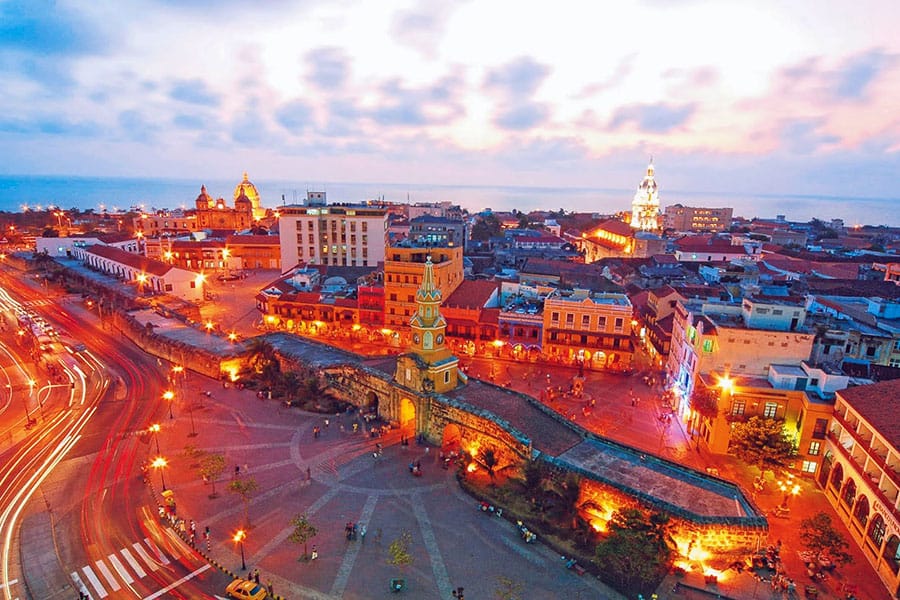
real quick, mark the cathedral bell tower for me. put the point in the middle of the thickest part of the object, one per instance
(429, 365)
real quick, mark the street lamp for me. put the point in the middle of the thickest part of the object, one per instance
(28, 420)
(169, 395)
(142, 281)
(239, 539)
(788, 488)
(154, 429)
(160, 463)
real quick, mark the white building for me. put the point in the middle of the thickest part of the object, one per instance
(339, 235)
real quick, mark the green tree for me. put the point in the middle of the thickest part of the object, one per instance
(637, 553)
(820, 537)
(262, 361)
(398, 551)
(211, 467)
(303, 532)
(507, 589)
(244, 488)
(705, 401)
(486, 227)
(569, 492)
(534, 477)
(761, 442)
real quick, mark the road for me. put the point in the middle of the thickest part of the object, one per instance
(73, 500)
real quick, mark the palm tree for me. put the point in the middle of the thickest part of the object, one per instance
(490, 461)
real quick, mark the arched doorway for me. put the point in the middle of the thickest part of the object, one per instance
(371, 405)
(407, 417)
(452, 438)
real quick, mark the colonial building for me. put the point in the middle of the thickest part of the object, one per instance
(436, 230)
(402, 277)
(696, 219)
(861, 474)
(710, 248)
(146, 275)
(614, 239)
(645, 205)
(589, 329)
(338, 235)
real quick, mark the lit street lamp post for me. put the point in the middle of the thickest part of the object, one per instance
(239, 540)
(160, 463)
(169, 396)
(154, 429)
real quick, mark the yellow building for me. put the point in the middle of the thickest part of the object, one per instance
(861, 474)
(593, 329)
(403, 276)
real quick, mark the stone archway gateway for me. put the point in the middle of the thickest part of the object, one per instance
(372, 402)
(407, 417)
(452, 438)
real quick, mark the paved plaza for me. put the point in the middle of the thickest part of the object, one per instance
(335, 479)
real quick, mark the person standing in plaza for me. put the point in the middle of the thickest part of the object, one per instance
(314, 554)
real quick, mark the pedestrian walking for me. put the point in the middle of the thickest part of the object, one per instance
(270, 588)
(308, 474)
(256, 576)
(315, 554)
(326, 423)
(362, 532)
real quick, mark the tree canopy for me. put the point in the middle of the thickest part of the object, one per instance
(761, 442)
(705, 401)
(820, 536)
(638, 551)
(303, 532)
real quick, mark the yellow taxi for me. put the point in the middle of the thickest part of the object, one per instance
(245, 590)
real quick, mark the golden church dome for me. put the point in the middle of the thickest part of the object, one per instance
(248, 189)
(204, 200)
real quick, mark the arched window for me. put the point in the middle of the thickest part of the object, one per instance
(862, 510)
(876, 530)
(849, 494)
(890, 553)
(837, 476)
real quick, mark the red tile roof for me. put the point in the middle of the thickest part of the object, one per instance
(616, 226)
(472, 293)
(876, 403)
(135, 261)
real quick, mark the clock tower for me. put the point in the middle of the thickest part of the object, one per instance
(437, 366)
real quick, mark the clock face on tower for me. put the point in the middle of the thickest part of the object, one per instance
(416, 338)
(440, 338)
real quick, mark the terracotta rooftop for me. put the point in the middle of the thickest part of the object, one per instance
(472, 293)
(876, 403)
(135, 261)
(617, 227)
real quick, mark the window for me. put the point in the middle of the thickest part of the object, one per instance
(554, 317)
(876, 530)
(365, 227)
(777, 311)
(601, 322)
(707, 346)
(620, 322)
(814, 448)
(820, 428)
(808, 466)
(446, 376)
(738, 406)
(585, 320)
(570, 320)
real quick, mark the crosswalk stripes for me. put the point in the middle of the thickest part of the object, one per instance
(111, 577)
(107, 574)
(89, 573)
(134, 564)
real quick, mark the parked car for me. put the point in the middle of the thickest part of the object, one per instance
(245, 590)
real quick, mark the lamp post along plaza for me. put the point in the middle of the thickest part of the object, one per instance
(239, 540)
(160, 463)
(154, 429)
(169, 396)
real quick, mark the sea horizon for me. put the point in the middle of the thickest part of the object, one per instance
(121, 193)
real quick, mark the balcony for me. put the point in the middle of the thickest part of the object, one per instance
(873, 485)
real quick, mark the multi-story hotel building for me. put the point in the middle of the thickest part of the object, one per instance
(861, 474)
(696, 219)
(403, 267)
(337, 235)
(593, 329)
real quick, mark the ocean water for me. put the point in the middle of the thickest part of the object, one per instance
(111, 193)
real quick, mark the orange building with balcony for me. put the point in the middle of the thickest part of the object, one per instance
(403, 267)
(861, 473)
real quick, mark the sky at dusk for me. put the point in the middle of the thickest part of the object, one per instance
(799, 97)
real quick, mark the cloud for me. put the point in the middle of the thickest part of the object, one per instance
(329, 68)
(193, 91)
(521, 77)
(652, 118)
(852, 79)
(189, 122)
(522, 117)
(50, 125)
(294, 116)
(422, 27)
(435, 104)
(136, 127)
(618, 76)
(248, 128)
(803, 136)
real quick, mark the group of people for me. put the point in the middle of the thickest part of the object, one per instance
(351, 530)
(416, 468)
